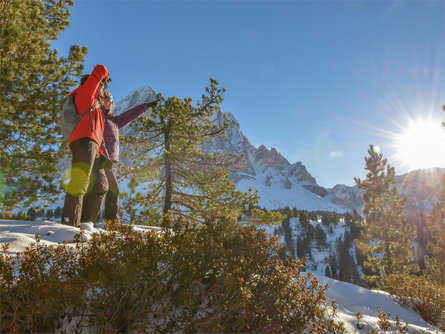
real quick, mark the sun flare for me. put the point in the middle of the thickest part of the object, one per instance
(421, 144)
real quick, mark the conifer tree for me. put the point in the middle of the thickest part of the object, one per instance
(303, 247)
(347, 267)
(288, 239)
(320, 237)
(304, 219)
(435, 261)
(327, 271)
(333, 265)
(34, 81)
(167, 156)
(385, 240)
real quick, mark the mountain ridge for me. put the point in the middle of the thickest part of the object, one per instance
(282, 184)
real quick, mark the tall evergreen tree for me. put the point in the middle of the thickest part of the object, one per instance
(435, 261)
(385, 235)
(303, 247)
(347, 267)
(34, 81)
(167, 155)
(333, 265)
(320, 237)
(327, 271)
(288, 239)
(304, 219)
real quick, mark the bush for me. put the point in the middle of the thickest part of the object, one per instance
(422, 295)
(38, 288)
(218, 277)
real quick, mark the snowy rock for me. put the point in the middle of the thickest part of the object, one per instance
(87, 226)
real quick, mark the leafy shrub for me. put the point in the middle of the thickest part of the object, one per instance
(422, 295)
(38, 287)
(217, 277)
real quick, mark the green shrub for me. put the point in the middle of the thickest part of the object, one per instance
(422, 295)
(217, 277)
(38, 288)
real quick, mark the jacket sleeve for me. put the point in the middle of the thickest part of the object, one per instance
(86, 94)
(130, 115)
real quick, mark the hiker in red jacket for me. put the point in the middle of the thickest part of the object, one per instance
(84, 143)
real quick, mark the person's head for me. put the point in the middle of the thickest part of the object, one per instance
(103, 86)
(108, 103)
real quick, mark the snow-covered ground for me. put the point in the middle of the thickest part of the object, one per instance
(349, 298)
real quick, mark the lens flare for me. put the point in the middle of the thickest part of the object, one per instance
(336, 154)
(74, 179)
(377, 149)
(421, 144)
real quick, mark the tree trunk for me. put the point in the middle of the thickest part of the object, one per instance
(168, 170)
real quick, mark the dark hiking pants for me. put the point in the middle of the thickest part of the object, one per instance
(84, 152)
(112, 199)
(97, 189)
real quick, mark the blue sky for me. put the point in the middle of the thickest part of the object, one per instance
(317, 80)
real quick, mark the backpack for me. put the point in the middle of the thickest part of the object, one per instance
(70, 118)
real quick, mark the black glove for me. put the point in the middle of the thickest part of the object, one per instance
(153, 103)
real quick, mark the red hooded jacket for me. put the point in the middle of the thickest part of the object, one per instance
(86, 97)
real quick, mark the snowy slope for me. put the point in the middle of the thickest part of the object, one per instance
(349, 298)
(352, 299)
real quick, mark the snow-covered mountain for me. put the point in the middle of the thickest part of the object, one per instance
(280, 183)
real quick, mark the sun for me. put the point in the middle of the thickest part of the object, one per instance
(421, 144)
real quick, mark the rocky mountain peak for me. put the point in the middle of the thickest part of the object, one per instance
(138, 96)
(270, 158)
(299, 172)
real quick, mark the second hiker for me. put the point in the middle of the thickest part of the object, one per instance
(104, 163)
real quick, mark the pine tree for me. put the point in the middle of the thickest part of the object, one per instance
(57, 211)
(303, 247)
(327, 271)
(347, 267)
(385, 235)
(31, 213)
(333, 265)
(288, 239)
(34, 81)
(435, 261)
(320, 237)
(304, 219)
(180, 178)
